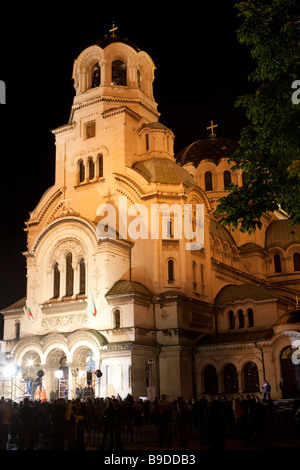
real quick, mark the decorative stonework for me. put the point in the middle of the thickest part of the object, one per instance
(64, 321)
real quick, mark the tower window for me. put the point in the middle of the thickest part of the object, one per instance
(117, 319)
(241, 319)
(171, 270)
(194, 275)
(296, 259)
(170, 229)
(139, 79)
(69, 275)
(81, 171)
(226, 179)
(250, 318)
(100, 164)
(56, 281)
(208, 181)
(96, 76)
(17, 330)
(231, 320)
(81, 276)
(277, 264)
(118, 73)
(147, 142)
(91, 168)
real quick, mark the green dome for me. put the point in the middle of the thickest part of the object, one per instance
(282, 233)
(163, 170)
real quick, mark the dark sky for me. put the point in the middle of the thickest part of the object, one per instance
(201, 70)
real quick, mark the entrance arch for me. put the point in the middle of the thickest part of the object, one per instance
(85, 363)
(30, 367)
(57, 383)
(290, 372)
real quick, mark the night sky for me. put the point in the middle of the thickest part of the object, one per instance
(201, 70)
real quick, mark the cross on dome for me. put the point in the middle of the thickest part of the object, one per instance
(211, 127)
(114, 28)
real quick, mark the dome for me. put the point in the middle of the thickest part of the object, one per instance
(128, 287)
(281, 233)
(107, 40)
(234, 292)
(220, 231)
(163, 170)
(154, 125)
(289, 317)
(213, 148)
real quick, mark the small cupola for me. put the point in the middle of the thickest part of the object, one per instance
(155, 140)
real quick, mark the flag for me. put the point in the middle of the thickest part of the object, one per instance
(27, 310)
(94, 309)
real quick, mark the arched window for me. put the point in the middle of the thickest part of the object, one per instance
(118, 73)
(208, 181)
(210, 379)
(230, 379)
(171, 270)
(251, 380)
(17, 330)
(56, 281)
(117, 318)
(241, 319)
(96, 75)
(231, 320)
(194, 275)
(290, 372)
(81, 277)
(139, 79)
(100, 165)
(170, 229)
(202, 274)
(81, 171)
(69, 275)
(277, 264)
(226, 179)
(250, 317)
(91, 168)
(296, 259)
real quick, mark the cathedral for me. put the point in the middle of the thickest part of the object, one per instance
(124, 305)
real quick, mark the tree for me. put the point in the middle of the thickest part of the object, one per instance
(269, 146)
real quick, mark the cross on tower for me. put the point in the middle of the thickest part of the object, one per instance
(211, 127)
(113, 30)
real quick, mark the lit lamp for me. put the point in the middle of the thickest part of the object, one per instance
(11, 370)
(59, 374)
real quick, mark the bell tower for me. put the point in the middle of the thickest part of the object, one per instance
(113, 81)
(115, 71)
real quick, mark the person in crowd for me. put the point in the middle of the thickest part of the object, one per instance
(266, 390)
(5, 422)
(108, 420)
(26, 418)
(283, 388)
(58, 417)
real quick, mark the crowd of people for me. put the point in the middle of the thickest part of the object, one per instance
(64, 424)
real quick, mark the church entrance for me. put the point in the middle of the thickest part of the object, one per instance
(32, 373)
(290, 373)
(57, 375)
(85, 381)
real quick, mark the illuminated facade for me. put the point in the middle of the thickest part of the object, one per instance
(149, 314)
